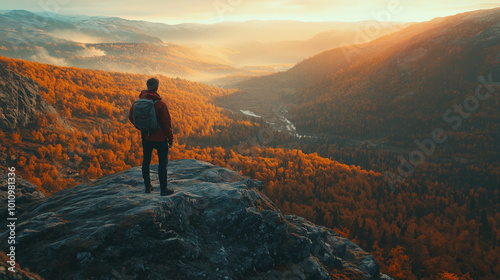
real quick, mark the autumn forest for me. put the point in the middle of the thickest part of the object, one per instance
(428, 228)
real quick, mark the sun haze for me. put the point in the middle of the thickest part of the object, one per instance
(202, 11)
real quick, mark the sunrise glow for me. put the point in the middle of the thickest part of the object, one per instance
(202, 11)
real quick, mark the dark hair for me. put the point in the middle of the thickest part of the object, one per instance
(152, 84)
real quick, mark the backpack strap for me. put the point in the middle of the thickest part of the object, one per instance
(154, 103)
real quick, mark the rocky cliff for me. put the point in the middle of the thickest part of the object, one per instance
(20, 101)
(217, 225)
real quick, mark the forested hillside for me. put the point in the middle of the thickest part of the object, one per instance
(419, 105)
(432, 233)
(402, 86)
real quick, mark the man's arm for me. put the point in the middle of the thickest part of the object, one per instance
(166, 123)
(130, 114)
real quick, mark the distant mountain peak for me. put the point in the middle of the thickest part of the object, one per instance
(22, 13)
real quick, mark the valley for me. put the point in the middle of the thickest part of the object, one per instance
(264, 102)
(270, 104)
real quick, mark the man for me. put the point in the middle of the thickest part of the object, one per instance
(161, 139)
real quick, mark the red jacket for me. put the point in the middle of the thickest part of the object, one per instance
(165, 133)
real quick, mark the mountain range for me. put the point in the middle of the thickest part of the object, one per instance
(395, 87)
(222, 49)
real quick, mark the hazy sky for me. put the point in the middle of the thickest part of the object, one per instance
(211, 11)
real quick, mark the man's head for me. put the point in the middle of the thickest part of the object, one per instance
(152, 84)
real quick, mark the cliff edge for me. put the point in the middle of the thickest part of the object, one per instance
(21, 103)
(217, 225)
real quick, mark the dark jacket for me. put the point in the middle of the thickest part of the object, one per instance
(163, 116)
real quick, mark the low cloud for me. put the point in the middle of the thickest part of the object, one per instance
(43, 56)
(90, 52)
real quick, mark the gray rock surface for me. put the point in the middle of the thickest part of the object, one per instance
(21, 103)
(217, 225)
(25, 191)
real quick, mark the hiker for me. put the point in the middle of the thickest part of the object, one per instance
(156, 133)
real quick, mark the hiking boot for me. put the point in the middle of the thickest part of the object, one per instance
(149, 188)
(166, 192)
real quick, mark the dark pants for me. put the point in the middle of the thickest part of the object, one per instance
(162, 149)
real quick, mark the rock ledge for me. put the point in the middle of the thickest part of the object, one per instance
(217, 225)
